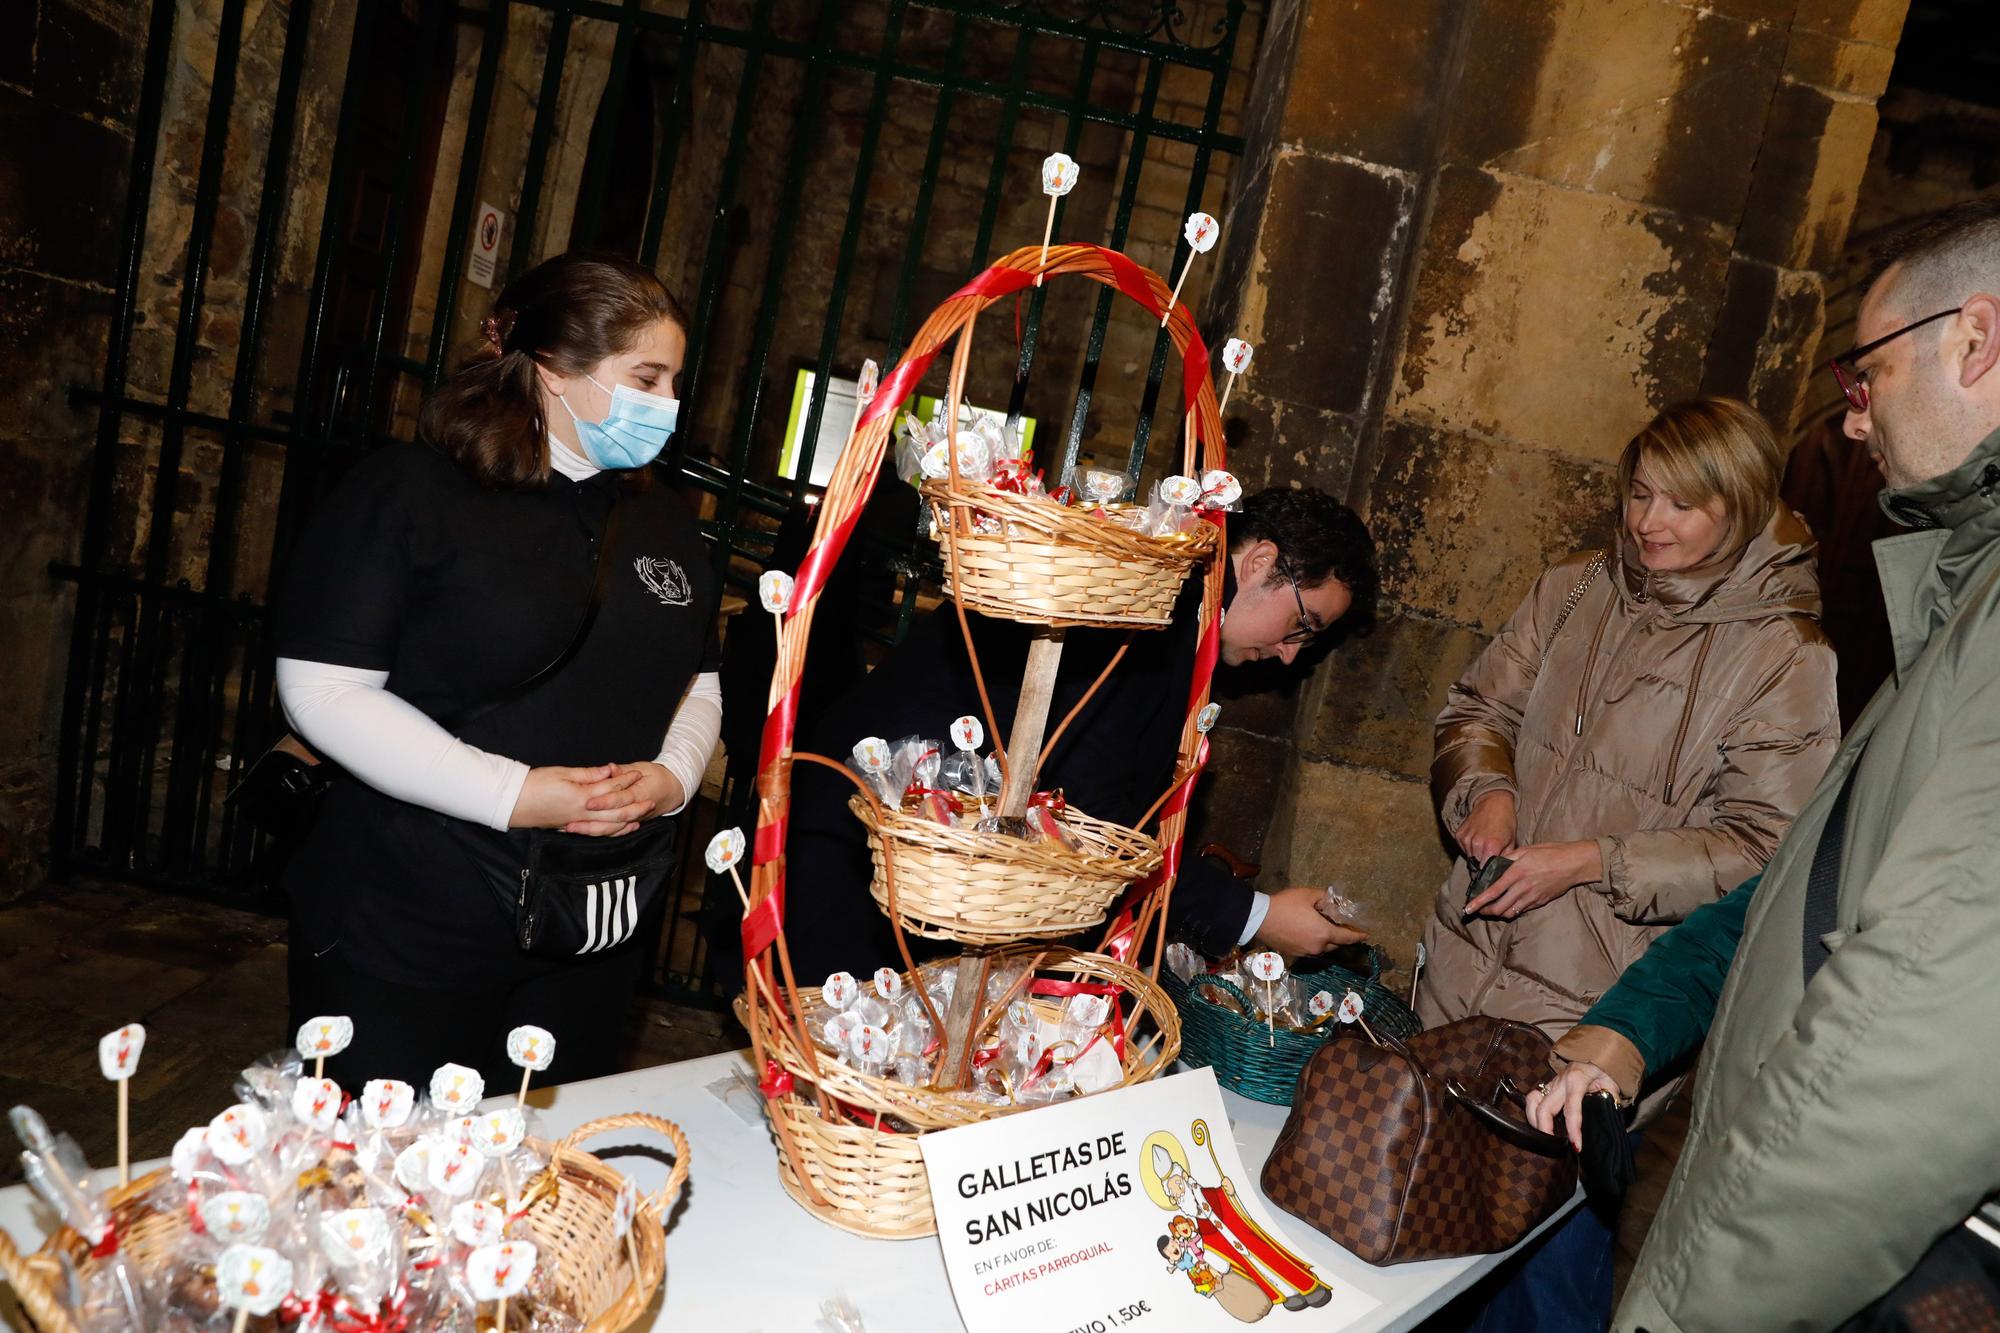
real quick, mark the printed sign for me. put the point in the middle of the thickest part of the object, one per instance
(1129, 1207)
(482, 258)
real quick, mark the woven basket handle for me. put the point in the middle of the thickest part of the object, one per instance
(677, 1178)
(1226, 987)
(35, 1295)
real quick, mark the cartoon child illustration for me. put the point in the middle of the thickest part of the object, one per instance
(1182, 1249)
(1225, 1230)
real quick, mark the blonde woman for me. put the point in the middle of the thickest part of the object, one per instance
(1635, 740)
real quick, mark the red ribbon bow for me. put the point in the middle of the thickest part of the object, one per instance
(389, 1319)
(776, 1082)
(107, 1244)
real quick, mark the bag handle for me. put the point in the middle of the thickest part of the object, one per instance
(1517, 1132)
(600, 588)
(1597, 562)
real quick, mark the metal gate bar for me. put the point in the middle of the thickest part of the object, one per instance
(168, 675)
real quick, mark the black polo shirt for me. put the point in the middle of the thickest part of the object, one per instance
(460, 593)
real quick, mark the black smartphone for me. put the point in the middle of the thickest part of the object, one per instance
(1484, 874)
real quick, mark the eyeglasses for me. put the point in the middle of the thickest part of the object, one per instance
(1307, 631)
(1847, 370)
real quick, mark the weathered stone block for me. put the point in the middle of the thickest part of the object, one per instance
(1372, 835)
(1332, 242)
(1815, 148)
(1374, 702)
(1644, 99)
(1877, 21)
(1556, 318)
(1232, 804)
(88, 57)
(1859, 69)
(58, 204)
(1764, 339)
(1465, 524)
(1277, 443)
(1366, 78)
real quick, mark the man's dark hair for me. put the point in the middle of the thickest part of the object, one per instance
(1317, 538)
(1946, 257)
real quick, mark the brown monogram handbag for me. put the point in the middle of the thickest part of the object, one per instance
(1417, 1150)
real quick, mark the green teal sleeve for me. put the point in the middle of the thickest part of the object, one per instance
(1665, 1002)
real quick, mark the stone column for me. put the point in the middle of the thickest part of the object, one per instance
(1477, 244)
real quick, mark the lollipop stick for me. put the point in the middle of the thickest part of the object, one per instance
(1270, 1016)
(778, 619)
(741, 892)
(632, 1256)
(500, 1315)
(1179, 283)
(1225, 393)
(522, 1098)
(124, 1137)
(319, 1066)
(242, 1320)
(1048, 230)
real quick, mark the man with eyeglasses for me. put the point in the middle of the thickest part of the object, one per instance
(1299, 561)
(1846, 1122)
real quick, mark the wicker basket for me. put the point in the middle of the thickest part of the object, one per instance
(572, 1225)
(1058, 566)
(868, 1178)
(1263, 1063)
(959, 884)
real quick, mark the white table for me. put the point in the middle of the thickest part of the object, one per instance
(743, 1258)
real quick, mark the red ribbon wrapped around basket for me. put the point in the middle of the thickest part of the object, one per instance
(764, 921)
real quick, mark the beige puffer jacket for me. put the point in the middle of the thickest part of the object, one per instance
(1686, 790)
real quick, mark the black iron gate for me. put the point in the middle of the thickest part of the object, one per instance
(294, 273)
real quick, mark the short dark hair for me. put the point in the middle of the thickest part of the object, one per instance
(1317, 538)
(1946, 257)
(567, 313)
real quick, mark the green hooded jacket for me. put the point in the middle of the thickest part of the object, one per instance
(1840, 1129)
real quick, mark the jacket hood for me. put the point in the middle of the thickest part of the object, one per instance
(1775, 575)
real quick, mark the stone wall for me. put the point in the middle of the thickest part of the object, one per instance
(1479, 245)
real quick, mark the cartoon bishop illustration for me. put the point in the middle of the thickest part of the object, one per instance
(1225, 1231)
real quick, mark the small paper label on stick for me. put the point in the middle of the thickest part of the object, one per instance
(188, 1154)
(413, 1166)
(1220, 489)
(355, 1238)
(1350, 1008)
(1266, 965)
(725, 849)
(1236, 356)
(316, 1102)
(1060, 174)
(530, 1047)
(1204, 721)
(1180, 490)
(237, 1134)
(872, 754)
(1201, 231)
(774, 589)
(624, 1210)
(498, 1272)
(840, 990)
(250, 1277)
(888, 983)
(456, 1089)
(500, 1132)
(235, 1215)
(1321, 1004)
(454, 1170)
(324, 1038)
(386, 1103)
(476, 1222)
(118, 1052)
(968, 733)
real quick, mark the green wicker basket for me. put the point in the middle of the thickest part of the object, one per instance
(1261, 1063)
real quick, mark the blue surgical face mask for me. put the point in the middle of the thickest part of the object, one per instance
(632, 434)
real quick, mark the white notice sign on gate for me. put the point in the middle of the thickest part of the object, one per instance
(481, 262)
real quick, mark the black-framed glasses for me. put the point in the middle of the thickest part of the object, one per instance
(1847, 372)
(1307, 631)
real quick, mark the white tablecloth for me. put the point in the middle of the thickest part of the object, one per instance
(741, 1256)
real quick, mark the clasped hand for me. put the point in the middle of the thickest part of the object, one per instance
(1542, 872)
(610, 800)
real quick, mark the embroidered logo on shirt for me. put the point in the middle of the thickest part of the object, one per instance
(665, 579)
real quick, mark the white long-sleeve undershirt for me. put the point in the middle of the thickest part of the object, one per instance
(349, 716)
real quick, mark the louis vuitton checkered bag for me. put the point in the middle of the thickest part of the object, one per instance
(1401, 1151)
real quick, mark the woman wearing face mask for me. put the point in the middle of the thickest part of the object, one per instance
(500, 632)
(1636, 740)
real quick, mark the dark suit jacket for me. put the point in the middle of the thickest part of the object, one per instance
(1112, 763)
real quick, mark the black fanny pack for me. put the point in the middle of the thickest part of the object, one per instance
(572, 895)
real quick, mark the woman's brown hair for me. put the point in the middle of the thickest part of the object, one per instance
(1710, 449)
(566, 313)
